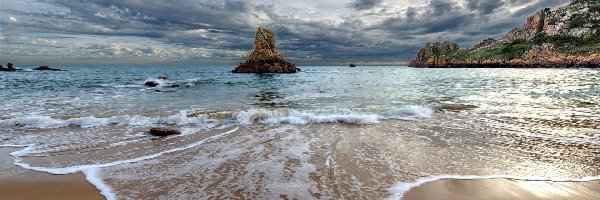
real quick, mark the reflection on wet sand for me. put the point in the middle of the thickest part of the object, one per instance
(495, 189)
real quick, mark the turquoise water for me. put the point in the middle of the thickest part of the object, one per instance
(324, 133)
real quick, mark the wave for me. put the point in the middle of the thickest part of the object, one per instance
(252, 116)
(195, 81)
(399, 189)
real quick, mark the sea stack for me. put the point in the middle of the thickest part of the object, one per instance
(265, 58)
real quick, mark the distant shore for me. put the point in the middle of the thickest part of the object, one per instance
(514, 65)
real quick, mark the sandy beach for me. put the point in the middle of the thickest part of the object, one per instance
(17, 183)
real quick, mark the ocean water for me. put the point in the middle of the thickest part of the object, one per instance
(324, 133)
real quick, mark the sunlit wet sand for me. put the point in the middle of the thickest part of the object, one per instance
(504, 189)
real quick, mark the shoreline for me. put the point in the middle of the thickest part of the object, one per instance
(18, 183)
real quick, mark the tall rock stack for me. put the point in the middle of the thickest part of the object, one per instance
(265, 58)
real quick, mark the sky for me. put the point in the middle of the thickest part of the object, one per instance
(210, 32)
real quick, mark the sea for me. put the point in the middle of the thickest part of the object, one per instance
(328, 132)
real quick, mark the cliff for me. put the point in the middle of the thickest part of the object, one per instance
(265, 58)
(567, 37)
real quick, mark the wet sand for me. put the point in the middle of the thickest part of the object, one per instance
(504, 189)
(17, 183)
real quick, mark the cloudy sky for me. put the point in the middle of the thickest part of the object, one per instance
(197, 32)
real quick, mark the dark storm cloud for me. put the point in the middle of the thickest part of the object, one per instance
(484, 6)
(364, 4)
(448, 20)
(439, 16)
(223, 26)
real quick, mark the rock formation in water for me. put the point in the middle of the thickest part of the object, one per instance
(9, 68)
(46, 68)
(265, 58)
(162, 81)
(567, 37)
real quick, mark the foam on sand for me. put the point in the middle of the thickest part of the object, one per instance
(93, 171)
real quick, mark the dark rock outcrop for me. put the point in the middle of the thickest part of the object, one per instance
(158, 131)
(265, 58)
(162, 81)
(151, 83)
(46, 68)
(9, 68)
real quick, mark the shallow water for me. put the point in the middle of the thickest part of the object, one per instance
(324, 133)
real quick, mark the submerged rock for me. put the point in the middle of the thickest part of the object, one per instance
(265, 58)
(157, 131)
(151, 83)
(46, 68)
(159, 81)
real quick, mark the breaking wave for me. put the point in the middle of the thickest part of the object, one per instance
(251, 116)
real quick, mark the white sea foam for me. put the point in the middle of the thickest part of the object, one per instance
(93, 175)
(92, 171)
(161, 82)
(122, 85)
(252, 116)
(399, 189)
(13, 145)
(195, 81)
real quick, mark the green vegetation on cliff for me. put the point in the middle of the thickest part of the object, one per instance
(570, 44)
(519, 48)
(567, 36)
(501, 51)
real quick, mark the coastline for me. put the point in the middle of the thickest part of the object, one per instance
(513, 65)
(502, 188)
(18, 183)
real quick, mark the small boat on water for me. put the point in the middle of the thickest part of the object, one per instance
(352, 65)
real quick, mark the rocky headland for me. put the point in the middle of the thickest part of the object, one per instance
(265, 58)
(567, 37)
